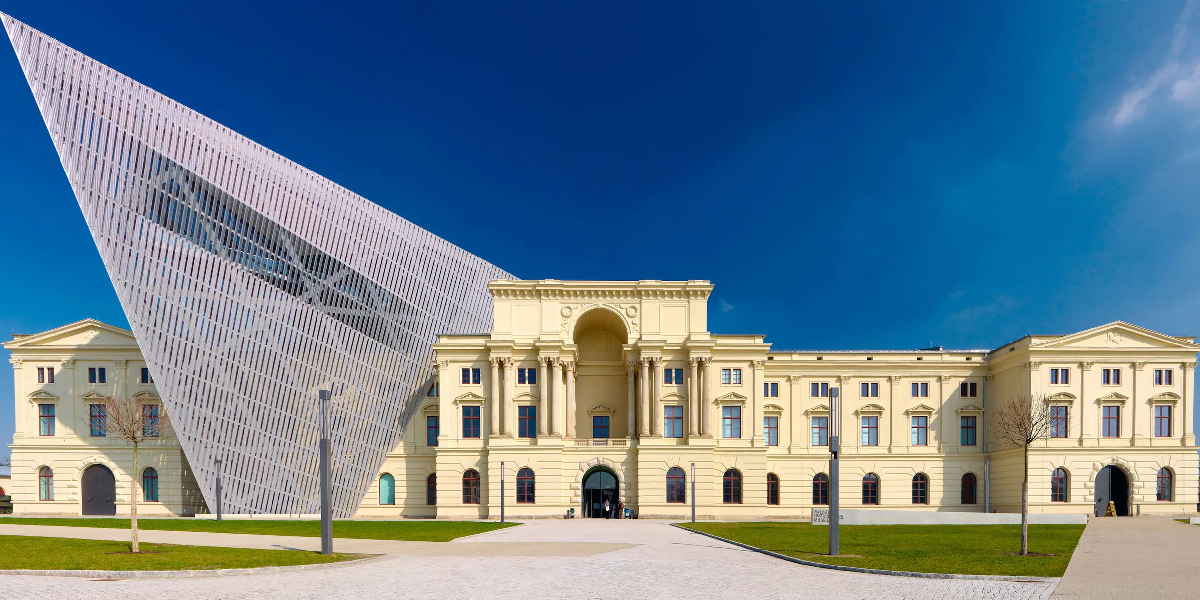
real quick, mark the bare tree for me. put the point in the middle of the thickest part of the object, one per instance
(1019, 423)
(135, 422)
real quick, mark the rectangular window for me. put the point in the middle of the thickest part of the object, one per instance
(91, 374)
(870, 431)
(470, 376)
(771, 430)
(470, 416)
(527, 421)
(726, 377)
(968, 390)
(1163, 377)
(819, 390)
(432, 430)
(731, 421)
(966, 431)
(1110, 376)
(673, 376)
(146, 378)
(434, 391)
(1060, 376)
(100, 375)
(1058, 421)
(41, 375)
(737, 376)
(46, 419)
(1112, 422)
(920, 430)
(869, 390)
(150, 420)
(673, 421)
(527, 376)
(98, 419)
(771, 390)
(600, 427)
(49, 374)
(920, 390)
(820, 431)
(1162, 421)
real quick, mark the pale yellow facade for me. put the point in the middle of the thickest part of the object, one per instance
(639, 353)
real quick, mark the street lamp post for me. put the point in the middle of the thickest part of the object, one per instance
(326, 513)
(693, 492)
(835, 512)
(501, 492)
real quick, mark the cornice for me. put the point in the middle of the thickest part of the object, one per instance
(600, 290)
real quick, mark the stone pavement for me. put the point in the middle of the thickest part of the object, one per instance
(656, 561)
(1131, 558)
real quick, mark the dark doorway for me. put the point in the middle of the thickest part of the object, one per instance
(99, 491)
(598, 486)
(1112, 486)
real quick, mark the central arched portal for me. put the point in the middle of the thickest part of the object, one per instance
(598, 486)
(99, 491)
(1112, 485)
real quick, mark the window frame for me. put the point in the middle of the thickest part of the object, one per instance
(819, 427)
(869, 426)
(1106, 421)
(144, 377)
(472, 376)
(606, 426)
(770, 430)
(151, 427)
(98, 423)
(526, 486)
(1164, 377)
(770, 389)
(737, 377)
(1164, 493)
(149, 484)
(726, 376)
(1060, 482)
(731, 422)
(818, 389)
(920, 389)
(964, 486)
(968, 389)
(470, 490)
(870, 489)
(1110, 376)
(731, 487)
(772, 489)
(868, 389)
(431, 490)
(919, 432)
(672, 421)
(381, 498)
(45, 484)
(471, 421)
(968, 430)
(820, 488)
(1060, 376)
(1057, 421)
(432, 431)
(527, 426)
(46, 419)
(1162, 423)
(920, 489)
(676, 485)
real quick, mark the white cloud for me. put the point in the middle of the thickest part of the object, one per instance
(1179, 75)
(725, 306)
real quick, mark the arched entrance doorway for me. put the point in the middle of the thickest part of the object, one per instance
(99, 491)
(598, 486)
(1112, 485)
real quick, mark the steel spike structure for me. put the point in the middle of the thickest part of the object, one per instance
(252, 282)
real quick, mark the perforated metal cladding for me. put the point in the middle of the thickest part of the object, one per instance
(252, 282)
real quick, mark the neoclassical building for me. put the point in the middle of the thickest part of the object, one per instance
(585, 391)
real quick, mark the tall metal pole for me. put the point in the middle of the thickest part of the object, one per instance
(835, 512)
(502, 492)
(693, 492)
(218, 489)
(326, 513)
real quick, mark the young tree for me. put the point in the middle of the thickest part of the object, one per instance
(1019, 423)
(137, 423)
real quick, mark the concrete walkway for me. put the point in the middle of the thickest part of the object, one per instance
(1131, 558)
(655, 561)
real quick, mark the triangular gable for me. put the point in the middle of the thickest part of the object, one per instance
(1061, 397)
(1113, 397)
(600, 408)
(146, 395)
(94, 395)
(673, 397)
(920, 408)
(869, 408)
(820, 408)
(42, 395)
(1117, 334)
(772, 408)
(971, 408)
(732, 397)
(1166, 397)
(88, 332)
(468, 397)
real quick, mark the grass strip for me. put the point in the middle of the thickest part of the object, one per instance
(415, 531)
(958, 549)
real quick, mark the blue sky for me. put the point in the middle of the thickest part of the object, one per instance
(882, 175)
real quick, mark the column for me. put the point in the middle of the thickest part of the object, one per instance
(705, 395)
(557, 422)
(570, 413)
(1189, 436)
(757, 400)
(543, 398)
(506, 411)
(630, 380)
(941, 416)
(655, 420)
(693, 399)
(1084, 367)
(644, 404)
(891, 414)
(1134, 404)
(494, 398)
(843, 406)
(794, 426)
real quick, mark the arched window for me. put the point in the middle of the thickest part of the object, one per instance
(870, 490)
(1165, 489)
(732, 487)
(150, 485)
(45, 484)
(969, 484)
(920, 489)
(387, 489)
(772, 488)
(821, 489)
(676, 485)
(431, 489)
(1058, 485)
(471, 487)
(525, 486)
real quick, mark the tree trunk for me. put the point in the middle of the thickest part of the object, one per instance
(1025, 506)
(133, 489)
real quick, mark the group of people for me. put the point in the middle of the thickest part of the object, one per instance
(613, 510)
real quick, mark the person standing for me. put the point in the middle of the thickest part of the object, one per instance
(607, 509)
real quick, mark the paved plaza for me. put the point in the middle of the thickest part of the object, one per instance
(592, 559)
(1134, 558)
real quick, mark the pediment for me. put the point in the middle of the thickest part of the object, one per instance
(1166, 398)
(432, 407)
(468, 397)
(731, 397)
(673, 397)
(772, 408)
(1113, 397)
(1118, 334)
(94, 395)
(820, 408)
(1061, 397)
(88, 333)
(971, 408)
(42, 395)
(869, 408)
(145, 395)
(600, 408)
(525, 397)
(920, 408)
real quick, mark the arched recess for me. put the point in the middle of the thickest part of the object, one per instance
(586, 468)
(599, 316)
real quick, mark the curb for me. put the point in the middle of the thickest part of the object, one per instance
(122, 575)
(481, 533)
(810, 563)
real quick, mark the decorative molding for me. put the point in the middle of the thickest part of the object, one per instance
(844, 378)
(432, 407)
(673, 397)
(894, 378)
(772, 408)
(525, 397)
(16, 362)
(1165, 398)
(1032, 365)
(970, 408)
(120, 365)
(944, 378)
(820, 408)
(146, 395)
(469, 397)
(989, 377)
(94, 395)
(920, 408)
(1113, 398)
(495, 361)
(1138, 366)
(1061, 397)
(759, 365)
(443, 364)
(1187, 366)
(869, 409)
(600, 408)
(42, 395)
(730, 398)
(793, 378)
(693, 361)
(1086, 365)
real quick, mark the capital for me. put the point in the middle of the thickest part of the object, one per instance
(944, 378)
(793, 379)
(1032, 365)
(496, 361)
(844, 378)
(1188, 366)
(895, 378)
(1138, 366)
(68, 364)
(1086, 366)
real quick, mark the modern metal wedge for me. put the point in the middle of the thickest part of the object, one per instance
(251, 283)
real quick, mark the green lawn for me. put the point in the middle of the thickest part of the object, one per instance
(962, 549)
(27, 552)
(419, 531)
